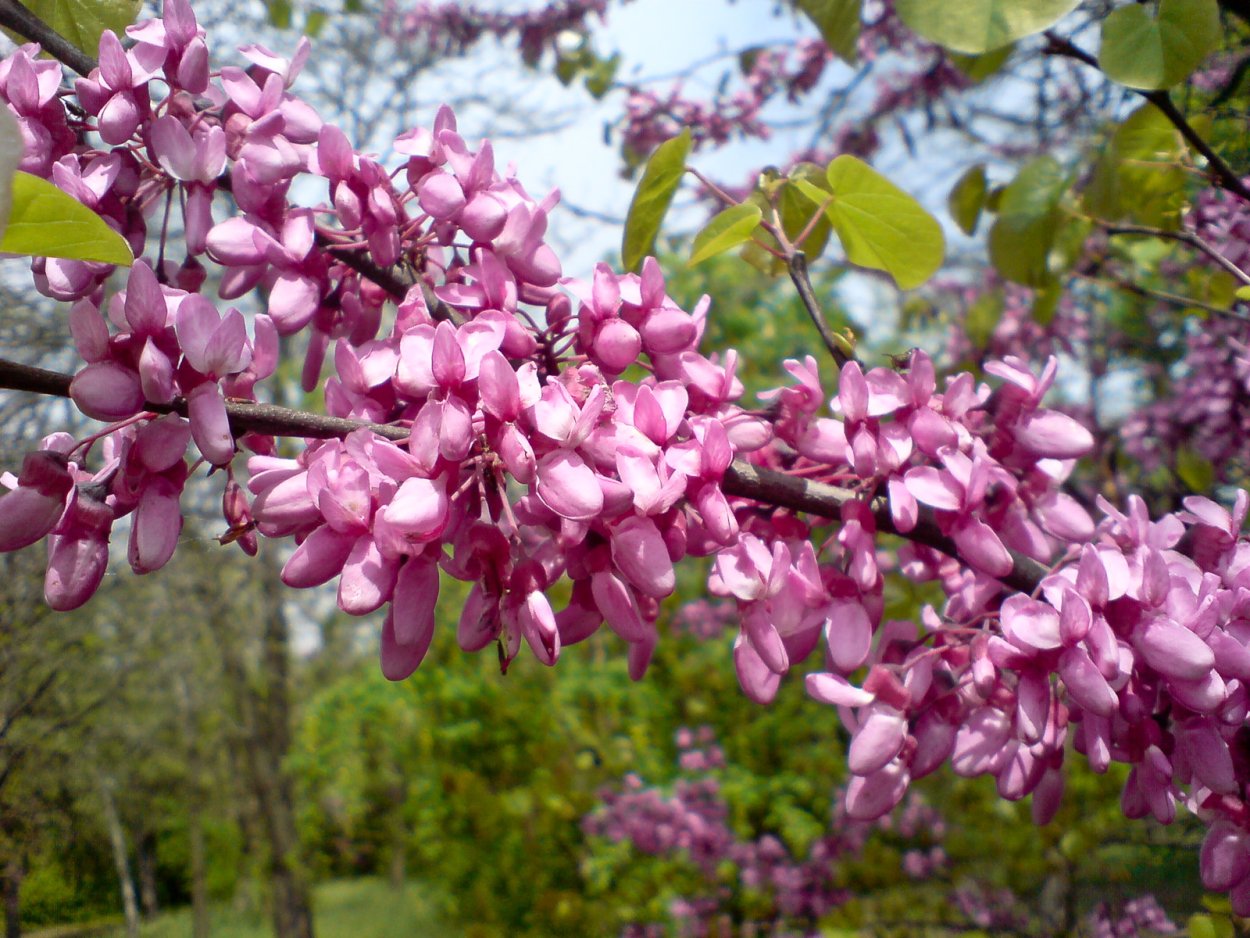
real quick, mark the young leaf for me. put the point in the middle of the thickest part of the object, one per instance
(652, 198)
(726, 230)
(46, 222)
(977, 26)
(83, 21)
(967, 199)
(981, 67)
(1142, 174)
(838, 22)
(797, 210)
(880, 226)
(11, 151)
(1154, 53)
(1028, 214)
(983, 317)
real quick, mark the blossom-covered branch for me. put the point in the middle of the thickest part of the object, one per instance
(492, 420)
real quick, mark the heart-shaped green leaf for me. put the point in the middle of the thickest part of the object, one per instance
(838, 22)
(880, 226)
(83, 21)
(1153, 53)
(725, 231)
(1028, 220)
(652, 198)
(977, 26)
(46, 222)
(967, 199)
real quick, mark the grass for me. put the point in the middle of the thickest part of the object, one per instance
(355, 908)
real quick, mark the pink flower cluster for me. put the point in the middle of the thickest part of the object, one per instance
(511, 447)
(692, 821)
(651, 118)
(454, 28)
(525, 456)
(1139, 916)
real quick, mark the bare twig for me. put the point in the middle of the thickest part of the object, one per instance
(796, 264)
(16, 17)
(1175, 299)
(1185, 237)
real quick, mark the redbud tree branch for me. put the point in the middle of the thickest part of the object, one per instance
(1220, 170)
(742, 479)
(16, 17)
(1185, 237)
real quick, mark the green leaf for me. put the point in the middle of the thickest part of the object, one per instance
(600, 74)
(46, 222)
(1046, 302)
(983, 317)
(1194, 471)
(880, 226)
(12, 149)
(280, 13)
(83, 21)
(315, 23)
(796, 211)
(1209, 926)
(838, 22)
(1154, 53)
(1141, 174)
(1243, 293)
(652, 198)
(1028, 214)
(725, 231)
(968, 198)
(977, 26)
(981, 67)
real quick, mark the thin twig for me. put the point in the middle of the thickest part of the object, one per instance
(1175, 299)
(16, 17)
(797, 266)
(742, 479)
(1220, 170)
(818, 498)
(1185, 237)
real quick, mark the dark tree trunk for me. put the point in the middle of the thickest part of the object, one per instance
(13, 873)
(399, 833)
(199, 876)
(146, 857)
(264, 714)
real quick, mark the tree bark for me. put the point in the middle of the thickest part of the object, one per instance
(146, 861)
(13, 874)
(399, 831)
(199, 876)
(117, 838)
(264, 713)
